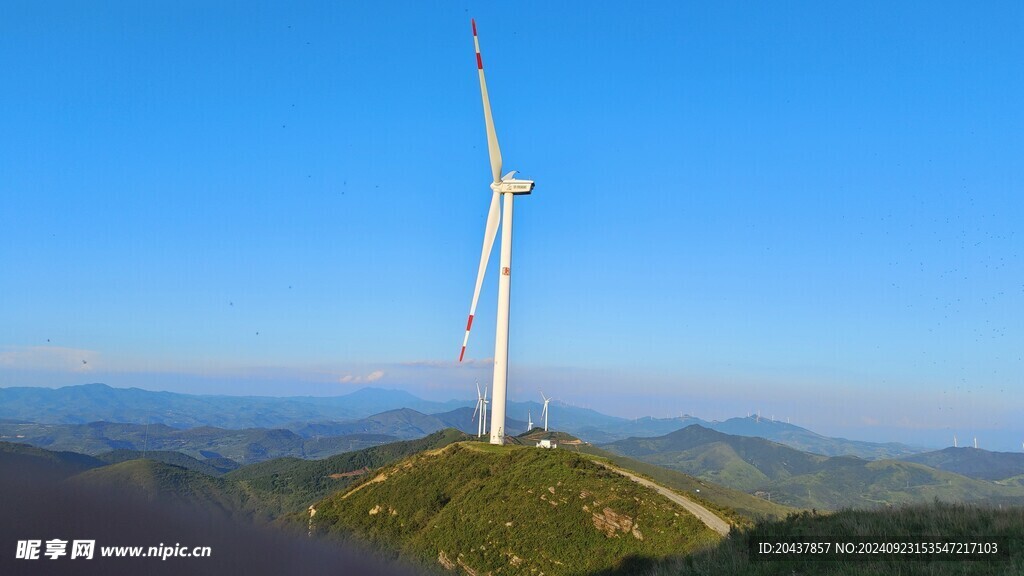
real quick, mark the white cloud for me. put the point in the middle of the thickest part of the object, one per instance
(356, 379)
(48, 358)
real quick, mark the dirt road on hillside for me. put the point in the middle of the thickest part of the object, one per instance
(709, 518)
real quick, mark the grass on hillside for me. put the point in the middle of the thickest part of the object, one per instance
(936, 522)
(508, 509)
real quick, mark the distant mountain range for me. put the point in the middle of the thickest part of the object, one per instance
(806, 480)
(208, 444)
(392, 413)
(99, 402)
(204, 443)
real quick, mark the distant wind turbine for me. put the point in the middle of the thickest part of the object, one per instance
(481, 409)
(486, 402)
(529, 420)
(544, 413)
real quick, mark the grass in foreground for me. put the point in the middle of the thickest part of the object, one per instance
(936, 522)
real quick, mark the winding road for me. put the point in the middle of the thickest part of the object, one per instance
(709, 518)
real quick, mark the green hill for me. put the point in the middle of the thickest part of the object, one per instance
(556, 436)
(288, 485)
(854, 483)
(156, 481)
(973, 462)
(803, 480)
(935, 522)
(212, 467)
(740, 462)
(738, 507)
(511, 510)
(20, 457)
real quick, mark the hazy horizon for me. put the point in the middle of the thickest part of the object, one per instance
(989, 438)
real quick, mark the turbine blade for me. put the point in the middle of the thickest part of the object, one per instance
(475, 410)
(492, 137)
(490, 233)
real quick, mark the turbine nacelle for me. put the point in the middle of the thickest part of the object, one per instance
(511, 185)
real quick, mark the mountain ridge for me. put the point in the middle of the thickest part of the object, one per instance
(319, 416)
(805, 480)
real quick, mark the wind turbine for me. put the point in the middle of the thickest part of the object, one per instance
(507, 187)
(480, 408)
(544, 412)
(483, 418)
(529, 420)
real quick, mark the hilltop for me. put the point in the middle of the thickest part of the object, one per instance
(208, 466)
(510, 508)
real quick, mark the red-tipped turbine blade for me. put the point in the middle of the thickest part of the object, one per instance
(492, 137)
(490, 232)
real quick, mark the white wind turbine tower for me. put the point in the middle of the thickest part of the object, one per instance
(529, 420)
(544, 412)
(501, 186)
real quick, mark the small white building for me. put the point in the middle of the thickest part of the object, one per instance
(546, 444)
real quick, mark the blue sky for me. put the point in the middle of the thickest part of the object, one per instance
(805, 209)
